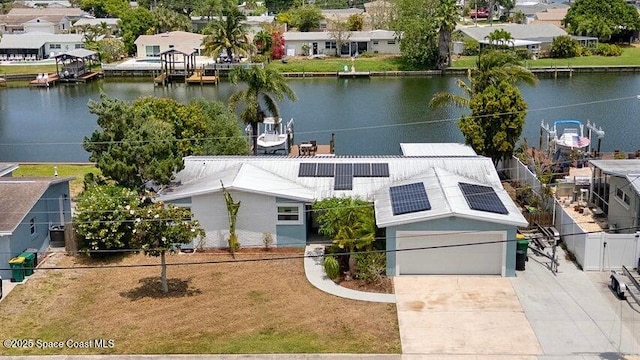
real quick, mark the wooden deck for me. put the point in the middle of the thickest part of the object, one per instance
(320, 150)
(88, 76)
(198, 78)
(51, 81)
(160, 79)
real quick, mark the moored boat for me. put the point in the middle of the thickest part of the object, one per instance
(569, 135)
(275, 136)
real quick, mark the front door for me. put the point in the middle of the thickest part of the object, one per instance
(315, 48)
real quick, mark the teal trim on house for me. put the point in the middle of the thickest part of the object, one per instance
(454, 224)
(292, 235)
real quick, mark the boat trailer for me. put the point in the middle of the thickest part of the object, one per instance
(627, 282)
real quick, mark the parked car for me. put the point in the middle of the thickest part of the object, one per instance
(481, 13)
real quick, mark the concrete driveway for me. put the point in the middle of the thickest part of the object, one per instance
(453, 315)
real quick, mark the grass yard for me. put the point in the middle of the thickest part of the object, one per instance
(333, 64)
(239, 307)
(26, 69)
(64, 170)
(630, 56)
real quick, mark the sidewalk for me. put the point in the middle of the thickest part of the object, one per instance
(314, 270)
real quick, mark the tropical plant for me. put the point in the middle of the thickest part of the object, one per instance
(500, 38)
(349, 222)
(608, 50)
(419, 41)
(160, 229)
(262, 41)
(104, 217)
(232, 210)
(497, 107)
(263, 85)
(447, 14)
(168, 20)
(355, 22)
(564, 47)
(111, 49)
(371, 266)
(227, 34)
(331, 267)
(306, 17)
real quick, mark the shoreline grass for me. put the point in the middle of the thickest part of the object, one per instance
(64, 170)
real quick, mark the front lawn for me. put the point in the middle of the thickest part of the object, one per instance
(237, 307)
(27, 69)
(334, 64)
(64, 170)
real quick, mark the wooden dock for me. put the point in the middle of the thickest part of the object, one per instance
(198, 78)
(51, 80)
(354, 74)
(160, 79)
(320, 150)
(88, 76)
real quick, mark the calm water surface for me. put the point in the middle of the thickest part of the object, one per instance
(367, 116)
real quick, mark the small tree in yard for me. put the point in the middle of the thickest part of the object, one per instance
(161, 229)
(232, 209)
(349, 222)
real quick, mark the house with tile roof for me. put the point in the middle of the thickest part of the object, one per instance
(449, 197)
(29, 207)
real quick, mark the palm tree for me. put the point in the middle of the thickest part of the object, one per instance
(447, 16)
(266, 85)
(229, 34)
(500, 38)
(262, 40)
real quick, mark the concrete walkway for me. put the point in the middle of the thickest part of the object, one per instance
(314, 270)
(568, 314)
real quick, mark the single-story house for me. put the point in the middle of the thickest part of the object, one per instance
(530, 8)
(553, 16)
(357, 42)
(30, 206)
(72, 13)
(455, 199)
(18, 24)
(615, 189)
(542, 33)
(153, 45)
(533, 47)
(45, 3)
(37, 46)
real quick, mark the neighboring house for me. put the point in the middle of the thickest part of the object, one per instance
(358, 42)
(112, 23)
(615, 189)
(18, 24)
(379, 14)
(44, 3)
(255, 23)
(541, 35)
(37, 46)
(29, 207)
(280, 203)
(153, 45)
(551, 16)
(72, 14)
(530, 8)
(337, 15)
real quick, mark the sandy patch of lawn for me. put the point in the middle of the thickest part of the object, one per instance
(238, 307)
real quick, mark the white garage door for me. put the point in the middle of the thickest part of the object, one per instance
(483, 259)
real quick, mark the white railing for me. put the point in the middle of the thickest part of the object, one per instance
(517, 171)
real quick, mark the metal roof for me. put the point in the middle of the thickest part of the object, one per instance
(517, 31)
(6, 168)
(618, 167)
(181, 38)
(19, 195)
(278, 176)
(446, 200)
(98, 21)
(76, 53)
(634, 181)
(436, 149)
(35, 40)
(327, 35)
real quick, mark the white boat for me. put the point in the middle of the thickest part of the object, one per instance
(274, 136)
(569, 135)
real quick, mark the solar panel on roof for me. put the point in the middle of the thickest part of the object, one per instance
(344, 177)
(307, 170)
(326, 170)
(482, 198)
(380, 170)
(362, 170)
(410, 198)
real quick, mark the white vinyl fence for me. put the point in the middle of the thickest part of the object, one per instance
(515, 170)
(598, 251)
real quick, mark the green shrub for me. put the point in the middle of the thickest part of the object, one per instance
(523, 54)
(366, 55)
(471, 47)
(259, 59)
(371, 266)
(564, 47)
(331, 267)
(608, 50)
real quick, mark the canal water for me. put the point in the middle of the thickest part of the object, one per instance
(367, 116)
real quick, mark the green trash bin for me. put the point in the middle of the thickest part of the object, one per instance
(17, 271)
(29, 263)
(522, 243)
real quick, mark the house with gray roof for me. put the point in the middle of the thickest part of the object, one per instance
(29, 207)
(534, 37)
(423, 202)
(37, 46)
(357, 42)
(615, 189)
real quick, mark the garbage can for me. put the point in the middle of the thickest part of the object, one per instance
(522, 243)
(17, 271)
(34, 251)
(521, 258)
(56, 235)
(29, 263)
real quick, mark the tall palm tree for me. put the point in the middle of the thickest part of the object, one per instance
(263, 85)
(447, 14)
(228, 34)
(500, 38)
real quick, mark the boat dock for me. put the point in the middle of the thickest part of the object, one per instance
(50, 80)
(354, 74)
(200, 78)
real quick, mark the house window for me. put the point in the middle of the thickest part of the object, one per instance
(32, 225)
(289, 214)
(153, 50)
(623, 196)
(391, 42)
(79, 46)
(329, 44)
(619, 193)
(54, 46)
(375, 42)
